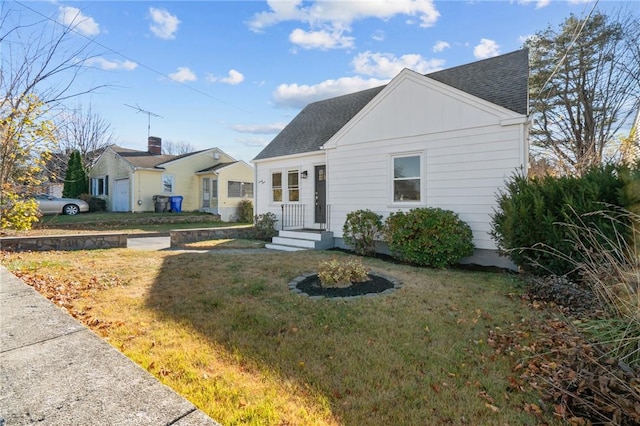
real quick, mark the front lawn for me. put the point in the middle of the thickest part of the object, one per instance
(225, 331)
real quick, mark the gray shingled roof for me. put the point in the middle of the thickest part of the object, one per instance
(502, 80)
(147, 160)
(142, 158)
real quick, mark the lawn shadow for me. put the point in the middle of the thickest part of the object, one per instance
(367, 359)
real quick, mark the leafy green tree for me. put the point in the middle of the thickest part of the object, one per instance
(75, 181)
(584, 86)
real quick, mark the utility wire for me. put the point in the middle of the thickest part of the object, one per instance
(148, 68)
(577, 34)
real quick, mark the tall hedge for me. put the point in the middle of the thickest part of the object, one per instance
(528, 221)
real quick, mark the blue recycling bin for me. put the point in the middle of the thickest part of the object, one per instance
(175, 202)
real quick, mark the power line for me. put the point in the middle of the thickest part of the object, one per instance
(148, 68)
(577, 34)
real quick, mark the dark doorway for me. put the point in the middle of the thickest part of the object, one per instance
(321, 194)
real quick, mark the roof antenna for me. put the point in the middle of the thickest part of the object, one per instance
(149, 114)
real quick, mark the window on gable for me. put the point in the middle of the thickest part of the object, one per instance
(406, 178)
(293, 185)
(276, 186)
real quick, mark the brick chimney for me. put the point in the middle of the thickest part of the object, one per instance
(154, 145)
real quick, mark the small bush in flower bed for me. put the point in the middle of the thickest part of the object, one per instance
(342, 273)
(428, 237)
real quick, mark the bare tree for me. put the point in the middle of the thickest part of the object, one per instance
(585, 85)
(83, 130)
(177, 148)
(39, 65)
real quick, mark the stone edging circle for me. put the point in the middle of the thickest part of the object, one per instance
(293, 287)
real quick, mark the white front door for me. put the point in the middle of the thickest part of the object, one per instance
(121, 196)
(206, 193)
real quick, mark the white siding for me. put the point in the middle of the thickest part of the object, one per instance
(467, 154)
(264, 169)
(468, 148)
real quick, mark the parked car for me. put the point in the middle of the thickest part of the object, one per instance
(49, 204)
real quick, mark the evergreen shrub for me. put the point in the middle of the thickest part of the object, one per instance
(361, 230)
(527, 223)
(245, 211)
(428, 237)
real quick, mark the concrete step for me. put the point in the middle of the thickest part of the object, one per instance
(283, 247)
(294, 242)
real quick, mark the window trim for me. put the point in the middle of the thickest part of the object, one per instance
(243, 186)
(273, 200)
(292, 188)
(100, 186)
(285, 189)
(422, 179)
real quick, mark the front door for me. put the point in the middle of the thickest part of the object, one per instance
(206, 192)
(321, 194)
(121, 196)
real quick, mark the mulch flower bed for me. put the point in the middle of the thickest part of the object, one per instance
(310, 285)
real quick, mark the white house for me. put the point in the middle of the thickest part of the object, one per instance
(448, 139)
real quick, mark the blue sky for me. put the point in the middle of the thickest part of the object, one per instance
(231, 74)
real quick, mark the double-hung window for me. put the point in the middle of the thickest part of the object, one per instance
(407, 178)
(168, 182)
(276, 186)
(293, 185)
(100, 186)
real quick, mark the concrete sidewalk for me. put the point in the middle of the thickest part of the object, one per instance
(55, 371)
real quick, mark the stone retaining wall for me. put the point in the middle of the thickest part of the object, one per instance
(167, 218)
(64, 242)
(185, 236)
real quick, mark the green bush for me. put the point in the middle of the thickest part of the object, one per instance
(429, 237)
(245, 211)
(264, 226)
(95, 204)
(361, 230)
(530, 211)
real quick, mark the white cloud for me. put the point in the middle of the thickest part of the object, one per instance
(253, 142)
(110, 65)
(323, 40)
(183, 74)
(164, 25)
(73, 17)
(544, 3)
(486, 49)
(234, 77)
(298, 95)
(329, 20)
(259, 129)
(378, 35)
(440, 46)
(386, 65)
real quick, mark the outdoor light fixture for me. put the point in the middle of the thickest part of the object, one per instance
(304, 174)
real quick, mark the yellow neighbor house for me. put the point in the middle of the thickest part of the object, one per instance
(139, 181)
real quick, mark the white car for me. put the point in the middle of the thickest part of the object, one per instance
(49, 204)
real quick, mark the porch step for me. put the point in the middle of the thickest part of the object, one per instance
(302, 240)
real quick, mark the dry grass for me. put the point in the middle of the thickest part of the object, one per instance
(224, 244)
(224, 331)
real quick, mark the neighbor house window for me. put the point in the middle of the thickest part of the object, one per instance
(240, 189)
(168, 182)
(276, 186)
(406, 178)
(100, 186)
(293, 185)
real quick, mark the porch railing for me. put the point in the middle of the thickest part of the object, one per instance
(293, 217)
